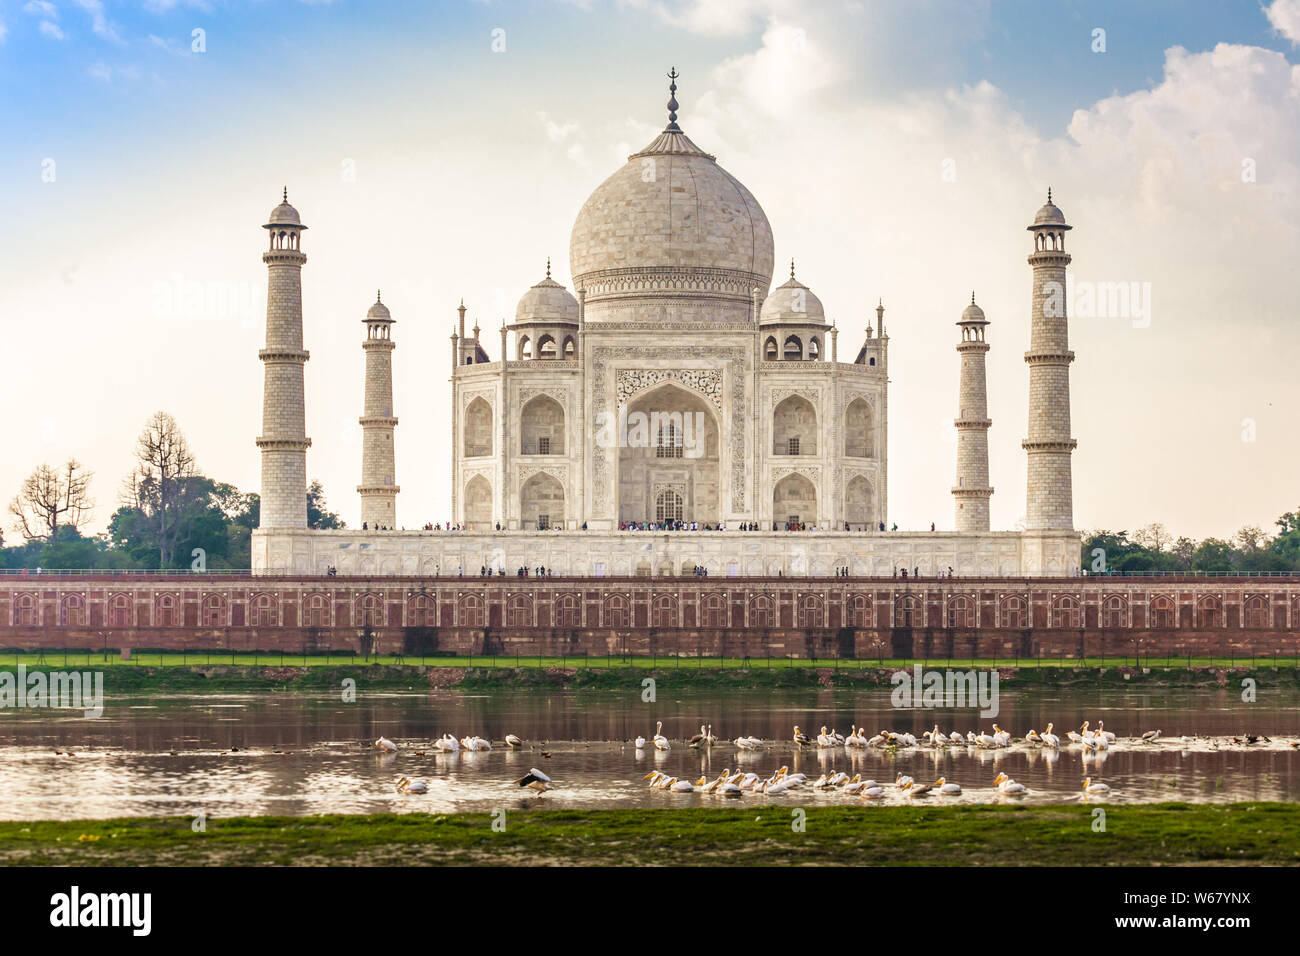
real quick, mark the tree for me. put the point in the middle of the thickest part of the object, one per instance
(1153, 537)
(317, 514)
(49, 499)
(158, 485)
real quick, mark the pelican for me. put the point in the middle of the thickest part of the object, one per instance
(917, 789)
(1050, 739)
(943, 786)
(838, 738)
(535, 780)
(852, 740)
(824, 739)
(412, 786)
(1090, 787)
(661, 742)
(879, 740)
(447, 743)
(1006, 785)
(872, 793)
(1101, 729)
(902, 781)
(682, 786)
(697, 739)
(984, 740)
(513, 741)
(386, 745)
(1151, 736)
(640, 743)
(956, 738)
(728, 790)
(1033, 737)
(800, 738)
(1075, 737)
(1001, 738)
(709, 739)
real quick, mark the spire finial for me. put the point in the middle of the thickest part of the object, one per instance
(972, 297)
(672, 100)
(792, 267)
(286, 193)
(1049, 193)
(548, 267)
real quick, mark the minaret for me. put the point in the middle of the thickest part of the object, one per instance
(972, 491)
(1050, 498)
(378, 486)
(284, 440)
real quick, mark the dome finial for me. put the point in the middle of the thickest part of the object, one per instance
(286, 194)
(377, 296)
(1049, 193)
(548, 267)
(791, 267)
(972, 297)
(672, 100)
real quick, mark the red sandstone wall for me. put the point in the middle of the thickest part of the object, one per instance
(735, 617)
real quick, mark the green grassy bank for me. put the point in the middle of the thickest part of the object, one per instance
(1164, 834)
(198, 672)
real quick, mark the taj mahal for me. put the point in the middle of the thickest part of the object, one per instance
(673, 414)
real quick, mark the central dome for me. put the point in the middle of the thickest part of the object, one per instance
(671, 222)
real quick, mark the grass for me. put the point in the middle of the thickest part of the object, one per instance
(81, 658)
(1163, 834)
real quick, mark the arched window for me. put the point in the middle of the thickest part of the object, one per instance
(794, 427)
(478, 501)
(668, 506)
(546, 347)
(541, 427)
(478, 429)
(770, 350)
(668, 440)
(525, 347)
(793, 348)
(859, 430)
(814, 349)
(570, 349)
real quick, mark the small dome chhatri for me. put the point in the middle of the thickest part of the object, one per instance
(379, 311)
(284, 214)
(792, 302)
(548, 302)
(1049, 214)
(973, 314)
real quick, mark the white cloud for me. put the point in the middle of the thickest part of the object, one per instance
(4, 31)
(1284, 15)
(99, 21)
(51, 30)
(42, 8)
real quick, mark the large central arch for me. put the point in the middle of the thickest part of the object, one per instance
(669, 450)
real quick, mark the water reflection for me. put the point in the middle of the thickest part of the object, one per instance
(297, 754)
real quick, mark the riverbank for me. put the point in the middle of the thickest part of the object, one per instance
(168, 673)
(1163, 834)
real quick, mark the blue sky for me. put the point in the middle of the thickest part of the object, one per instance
(470, 165)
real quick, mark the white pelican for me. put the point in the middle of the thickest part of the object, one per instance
(535, 780)
(1090, 787)
(640, 743)
(661, 742)
(879, 740)
(1001, 737)
(709, 739)
(728, 790)
(984, 740)
(1006, 785)
(682, 786)
(902, 781)
(412, 786)
(956, 738)
(1151, 736)
(824, 739)
(386, 745)
(697, 739)
(513, 741)
(447, 743)
(800, 738)
(1075, 737)
(852, 739)
(838, 738)
(913, 789)
(1032, 737)
(944, 787)
(872, 793)
(1101, 729)
(1050, 739)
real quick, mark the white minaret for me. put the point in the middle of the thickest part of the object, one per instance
(1050, 497)
(378, 486)
(284, 440)
(972, 491)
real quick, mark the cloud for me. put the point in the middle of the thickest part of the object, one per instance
(1284, 15)
(713, 17)
(51, 30)
(42, 8)
(99, 21)
(4, 31)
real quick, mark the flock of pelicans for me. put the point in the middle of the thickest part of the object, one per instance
(731, 784)
(734, 784)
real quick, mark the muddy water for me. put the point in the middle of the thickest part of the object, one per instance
(303, 754)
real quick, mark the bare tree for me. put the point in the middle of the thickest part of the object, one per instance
(50, 498)
(1250, 538)
(157, 484)
(1154, 537)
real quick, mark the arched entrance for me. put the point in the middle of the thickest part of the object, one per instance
(668, 458)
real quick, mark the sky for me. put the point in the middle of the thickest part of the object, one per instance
(441, 151)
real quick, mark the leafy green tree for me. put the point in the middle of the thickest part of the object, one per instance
(318, 515)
